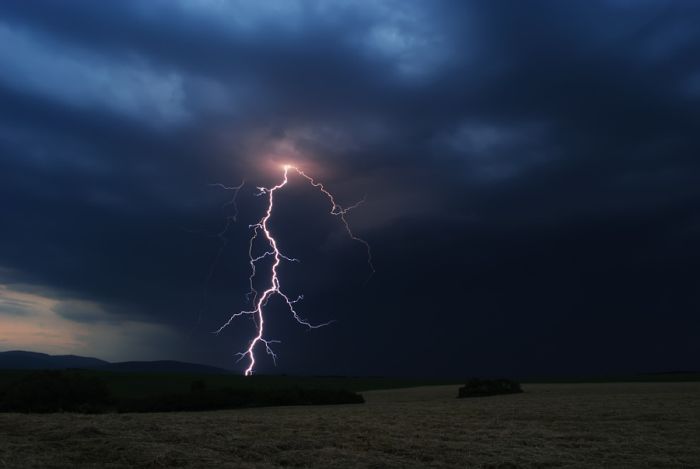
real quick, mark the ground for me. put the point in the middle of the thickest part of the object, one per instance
(630, 425)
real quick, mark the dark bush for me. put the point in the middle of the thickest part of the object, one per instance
(49, 391)
(229, 398)
(198, 386)
(55, 391)
(476, 387)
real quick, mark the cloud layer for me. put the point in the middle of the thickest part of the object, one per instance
(530, 172)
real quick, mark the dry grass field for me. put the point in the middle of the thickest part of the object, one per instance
(632, 425)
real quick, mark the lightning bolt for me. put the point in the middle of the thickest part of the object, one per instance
(260, 300)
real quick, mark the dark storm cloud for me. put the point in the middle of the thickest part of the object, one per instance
(530, 168)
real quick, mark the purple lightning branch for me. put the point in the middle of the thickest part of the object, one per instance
(260, 230)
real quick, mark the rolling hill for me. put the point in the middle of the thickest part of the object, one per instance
(22, 360)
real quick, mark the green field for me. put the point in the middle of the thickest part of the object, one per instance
(150, 384)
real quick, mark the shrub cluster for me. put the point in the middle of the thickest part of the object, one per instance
(55, 391)
(476, 387)
(201, 399)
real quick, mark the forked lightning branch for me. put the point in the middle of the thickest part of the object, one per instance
(262, 235)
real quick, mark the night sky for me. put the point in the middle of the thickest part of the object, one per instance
(531, 173)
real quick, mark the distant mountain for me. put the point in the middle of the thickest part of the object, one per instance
(75, 361)
(162, 366)
(18, 360)
(21, 360)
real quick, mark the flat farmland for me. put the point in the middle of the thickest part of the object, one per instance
(616, 425)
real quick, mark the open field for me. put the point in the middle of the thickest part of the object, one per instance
(629, 425)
